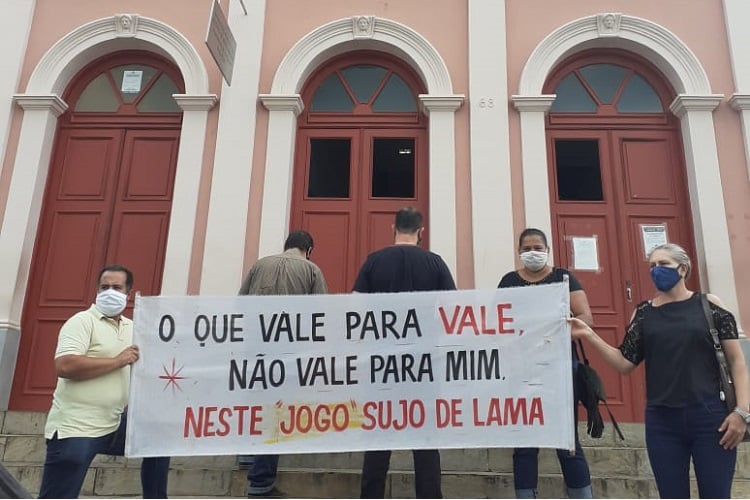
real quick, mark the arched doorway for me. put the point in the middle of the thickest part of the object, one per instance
(617, 187)
(361, 155)
(108, 199)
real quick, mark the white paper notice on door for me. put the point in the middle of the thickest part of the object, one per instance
(585, 253)
(131, 81)
(653, 235)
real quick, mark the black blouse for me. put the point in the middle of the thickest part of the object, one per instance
(673, 339)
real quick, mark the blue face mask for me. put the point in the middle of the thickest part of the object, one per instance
(665, 278)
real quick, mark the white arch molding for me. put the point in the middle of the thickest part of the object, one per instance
(284, 104)
(694, 105)
(42, 105)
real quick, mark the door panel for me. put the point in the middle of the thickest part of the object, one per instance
(138, 241)
(647, 170)
(324, 200)
(87, 157)
(642, 183)
(379, 229)
(69, 244)
(653, 191)
(389, 147)
(40, 378)
(333, 245)
(148, 164)
(74, 235)
(140, 220)
(604, 295)
(108, 201)
(348, 185)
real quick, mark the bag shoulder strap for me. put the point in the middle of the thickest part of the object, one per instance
(710, 320)
(726, 393)
(614, 422)
(579, 345)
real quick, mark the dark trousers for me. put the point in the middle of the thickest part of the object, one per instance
(261, 474)
(426, 473)
(68, 460)
(574, 467)
(675, 435)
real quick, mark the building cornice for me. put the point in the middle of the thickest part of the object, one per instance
(49, 102)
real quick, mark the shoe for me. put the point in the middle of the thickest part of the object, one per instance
(272, 493)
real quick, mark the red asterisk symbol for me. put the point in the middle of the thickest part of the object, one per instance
(172, 376)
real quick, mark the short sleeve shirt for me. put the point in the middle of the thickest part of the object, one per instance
(556, 276)
(403, 268)
(674, 342)
(90, 408)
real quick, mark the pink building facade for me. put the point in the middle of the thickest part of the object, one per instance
(610, 125)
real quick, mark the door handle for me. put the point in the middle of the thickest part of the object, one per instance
(628, 291)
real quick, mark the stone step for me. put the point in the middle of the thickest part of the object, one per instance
(340, 483)
(618, 468)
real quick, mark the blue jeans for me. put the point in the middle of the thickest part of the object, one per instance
(574, 467)
(675, 435)
(68, 460)
(261, 475)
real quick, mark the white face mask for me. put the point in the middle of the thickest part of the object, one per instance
(110, 302)
(533, 260)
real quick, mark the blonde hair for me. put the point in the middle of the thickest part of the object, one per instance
(677, 253)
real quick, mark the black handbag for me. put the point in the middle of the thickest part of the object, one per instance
(590, 391)
(726, 389)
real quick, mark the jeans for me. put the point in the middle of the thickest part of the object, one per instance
(574, 467)
(261, 475)
(675, 435)
(68, 460)
(426, 473)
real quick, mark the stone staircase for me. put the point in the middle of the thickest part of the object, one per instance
(619, 469)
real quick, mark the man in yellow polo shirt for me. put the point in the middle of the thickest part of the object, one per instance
(92, 361)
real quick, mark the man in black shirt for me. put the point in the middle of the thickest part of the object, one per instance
(403, 267)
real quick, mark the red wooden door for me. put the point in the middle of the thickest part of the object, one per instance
(642, 187)
(108, 201)
(617, 188)
(361, 156)
(348, 185)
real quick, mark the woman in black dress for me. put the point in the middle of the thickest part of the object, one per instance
(685, 417)
(534, 252)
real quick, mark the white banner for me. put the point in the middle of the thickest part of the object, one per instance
(326, 373)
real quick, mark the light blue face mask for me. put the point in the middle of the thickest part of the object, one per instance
(665, 278)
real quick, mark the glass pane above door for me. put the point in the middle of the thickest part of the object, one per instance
(572, 97)
(363, 80)
(331, 96)
(395, 97)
